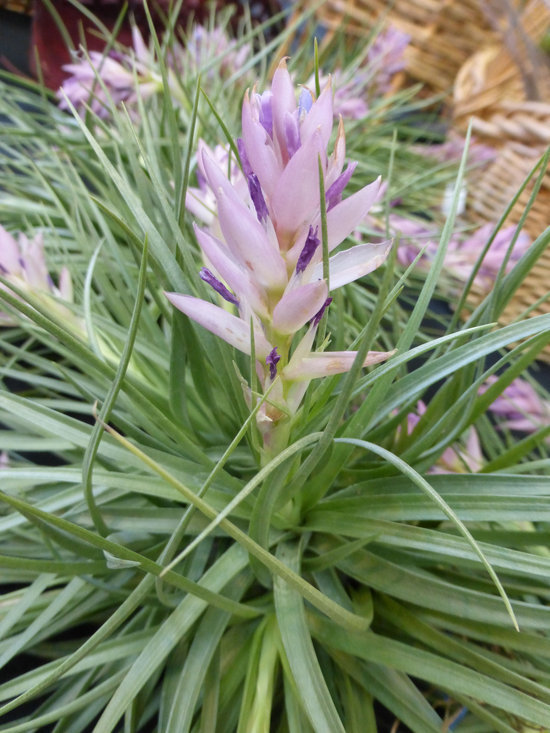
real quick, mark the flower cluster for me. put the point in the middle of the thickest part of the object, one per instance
(22, 262)
(262, 245)
(122, 77)
(102, 80)
(204, 45)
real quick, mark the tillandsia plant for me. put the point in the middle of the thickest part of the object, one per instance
(264, 245)
(223, 521)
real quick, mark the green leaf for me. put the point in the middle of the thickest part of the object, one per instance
(308, 677)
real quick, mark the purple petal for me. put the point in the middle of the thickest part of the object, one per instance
(257, 197)
(266, 112)
(353, 263)
(310, 246)
(305, 101)
(216, 178)
(298, 306)
(334, 192)
(328, 363)
(247, 170)
(272, 359)
(292, 134)
(221, 323)
(321, 312)
(218, 286)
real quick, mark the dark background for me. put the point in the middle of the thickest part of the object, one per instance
(14, 41)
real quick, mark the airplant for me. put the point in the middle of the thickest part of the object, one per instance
(166, 560)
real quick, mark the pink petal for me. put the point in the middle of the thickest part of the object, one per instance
(336, 160)
(221, 323)
(33, 266)
(353, 263)
(328, 363)
(235, 276)
(248, 240)
(216, 177)
(65, 285)
(283, 102)
(298, 306)
(296, 197)
(259, 150)
(345, 216)
(319, 117)
(9, 253)
(196, 204)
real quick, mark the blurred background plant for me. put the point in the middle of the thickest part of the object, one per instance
(157, 574)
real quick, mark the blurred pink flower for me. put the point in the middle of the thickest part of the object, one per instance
(386, 57)
(205, 45)
(100, 81)
(462, 457)
(462, 255)
(519, 406)
(462, 251)
(453, 148)
(22, 262)
(352, 91)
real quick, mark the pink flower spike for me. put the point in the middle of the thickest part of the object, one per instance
(353, 263)
(228, 327)
(345, 216)
(298, 306)
(328, 363)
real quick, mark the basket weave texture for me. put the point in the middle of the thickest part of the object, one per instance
(504, 88)
(503, 91)
(444, 33)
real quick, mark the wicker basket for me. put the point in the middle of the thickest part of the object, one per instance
(504, 91)
(505, 88)
(444, 33)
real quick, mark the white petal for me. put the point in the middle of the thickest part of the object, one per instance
(353, 263)
(328, 363)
